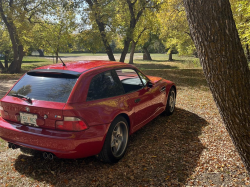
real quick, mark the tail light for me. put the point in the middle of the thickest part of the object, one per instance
(71, 124)
(1, 108)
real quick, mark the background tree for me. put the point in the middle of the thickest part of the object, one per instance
(18, 17)
(225, 66)
(57, 33)
(174, 28)
(119, 18)
(5, 48)
(101, 13)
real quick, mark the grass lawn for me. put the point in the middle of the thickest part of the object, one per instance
(189, 148)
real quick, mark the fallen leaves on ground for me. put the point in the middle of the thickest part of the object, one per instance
(189, 148)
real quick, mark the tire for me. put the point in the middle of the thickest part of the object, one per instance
(116, 141)
(171, 102)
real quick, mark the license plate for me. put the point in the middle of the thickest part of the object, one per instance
(28, 119)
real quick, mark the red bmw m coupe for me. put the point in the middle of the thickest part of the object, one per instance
(83, 108)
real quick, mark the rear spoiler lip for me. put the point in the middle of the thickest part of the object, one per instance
(53, 71)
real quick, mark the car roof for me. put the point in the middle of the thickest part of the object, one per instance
(81, 66)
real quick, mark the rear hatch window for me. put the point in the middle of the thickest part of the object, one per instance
(46, 87)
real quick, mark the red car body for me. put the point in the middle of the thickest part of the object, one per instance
(97, 115)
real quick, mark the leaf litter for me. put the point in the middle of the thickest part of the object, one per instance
(189, 148)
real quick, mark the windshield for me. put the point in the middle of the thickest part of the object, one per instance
(46, 88)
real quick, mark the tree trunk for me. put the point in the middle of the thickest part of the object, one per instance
(125, 49)
(56, 53)
(41, 52)
(170, 55)
(248, 52)
(1, 66)
(6, 59)
(225, 66)
(132, 52)
(20, 58)
(146, 54)
(108, 48)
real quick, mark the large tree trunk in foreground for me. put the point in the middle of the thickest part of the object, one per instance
(225, 66)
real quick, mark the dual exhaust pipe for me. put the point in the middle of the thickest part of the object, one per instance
(46, 155)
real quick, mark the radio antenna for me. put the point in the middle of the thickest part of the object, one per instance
(62, 61)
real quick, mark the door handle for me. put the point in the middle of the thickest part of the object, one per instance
(163, 89)
(137, 100)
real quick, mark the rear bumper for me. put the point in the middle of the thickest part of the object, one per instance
(62, 144)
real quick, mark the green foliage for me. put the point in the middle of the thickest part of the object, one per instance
(241, 12)
(174, 27)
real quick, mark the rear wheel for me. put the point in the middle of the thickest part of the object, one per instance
(171, 102)
(116, 141)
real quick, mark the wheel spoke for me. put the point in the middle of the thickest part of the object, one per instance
(112, 143)
(114, 133)
(114, 149)
(118, 130)
(120, 138)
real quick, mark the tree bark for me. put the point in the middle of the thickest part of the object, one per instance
(248, 52)
(41, 52)
(225, 66)
(147, 54)
(132, 52)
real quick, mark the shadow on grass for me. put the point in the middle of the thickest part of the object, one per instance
(35, 61)
(147, 66)
(165, 60)
(164, 151)
(181, 77)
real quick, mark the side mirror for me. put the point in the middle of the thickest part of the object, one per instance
(149, 84)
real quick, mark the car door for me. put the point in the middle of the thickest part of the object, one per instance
(138, 95)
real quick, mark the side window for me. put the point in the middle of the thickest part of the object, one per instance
(143, 78)
(104, 85)
(129, 79)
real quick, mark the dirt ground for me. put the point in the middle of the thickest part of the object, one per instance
(5, 85)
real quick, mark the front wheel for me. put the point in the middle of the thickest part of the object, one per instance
(116, 141)
(171, 102)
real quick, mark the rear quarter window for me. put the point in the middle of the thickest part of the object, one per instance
(47, 88)
(104, 85)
